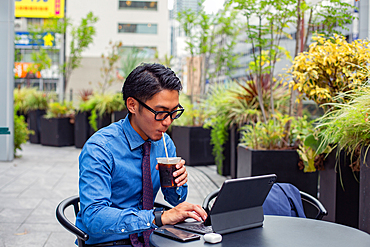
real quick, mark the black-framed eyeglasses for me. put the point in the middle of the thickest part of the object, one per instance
(162, 115)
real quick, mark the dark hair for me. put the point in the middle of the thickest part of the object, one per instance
(148, 79)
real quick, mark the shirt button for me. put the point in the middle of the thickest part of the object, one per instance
(148, 224)
(122, 230)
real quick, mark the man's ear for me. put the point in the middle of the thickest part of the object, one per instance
(131, 105)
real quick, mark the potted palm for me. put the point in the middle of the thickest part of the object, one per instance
(58, 125)
(331, 68)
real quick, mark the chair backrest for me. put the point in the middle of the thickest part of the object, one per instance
(63, 220)
(286, 200)
(310, 201)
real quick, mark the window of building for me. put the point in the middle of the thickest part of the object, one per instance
(147, 28)
(146, 5)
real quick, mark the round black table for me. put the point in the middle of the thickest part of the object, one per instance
(280, 231)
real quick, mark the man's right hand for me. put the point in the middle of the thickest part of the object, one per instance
(183, 211)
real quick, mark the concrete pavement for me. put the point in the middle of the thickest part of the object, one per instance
(33, 185)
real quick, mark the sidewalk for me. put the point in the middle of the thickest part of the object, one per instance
(32, 186)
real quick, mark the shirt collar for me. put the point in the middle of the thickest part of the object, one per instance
(133, 138)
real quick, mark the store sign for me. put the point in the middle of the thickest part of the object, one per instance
(21, 70)
(39, 8)
(39, 39)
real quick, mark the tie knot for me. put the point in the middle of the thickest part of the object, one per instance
(146, 148)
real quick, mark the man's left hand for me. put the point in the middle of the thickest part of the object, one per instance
(180, 174)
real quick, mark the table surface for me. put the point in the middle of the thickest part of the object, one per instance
(281, 231)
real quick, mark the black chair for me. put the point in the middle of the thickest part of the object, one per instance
(307, 200)
(71, 227)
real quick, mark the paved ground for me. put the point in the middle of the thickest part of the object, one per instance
(32, 186)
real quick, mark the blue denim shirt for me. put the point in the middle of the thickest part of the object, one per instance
(110, 183)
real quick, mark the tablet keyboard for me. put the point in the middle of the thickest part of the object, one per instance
(198, 228)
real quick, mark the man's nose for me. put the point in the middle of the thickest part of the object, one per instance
(167, 121)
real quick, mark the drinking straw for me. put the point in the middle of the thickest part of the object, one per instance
(165, 148)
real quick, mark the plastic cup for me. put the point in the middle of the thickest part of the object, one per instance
(166, 169)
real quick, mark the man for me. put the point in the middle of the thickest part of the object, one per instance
(114, 205)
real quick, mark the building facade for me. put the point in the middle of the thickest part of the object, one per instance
(137, 24)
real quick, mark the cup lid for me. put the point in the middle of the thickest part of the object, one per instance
(170, 160)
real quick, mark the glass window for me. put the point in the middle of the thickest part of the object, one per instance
(147, 28)
(149, 5)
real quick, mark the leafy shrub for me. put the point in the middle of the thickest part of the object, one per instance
(21, 132)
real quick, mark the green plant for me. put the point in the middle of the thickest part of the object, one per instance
(117, 102)
(330, 67)
(193, 114)
(21, 131)
(58, 110)
(236, 104)
(102, 104)
(347, 126)
(20, 95)
(37, 100)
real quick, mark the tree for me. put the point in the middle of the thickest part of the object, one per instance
(81, 38)
(109, 70)
(202, 31)
(264, 27)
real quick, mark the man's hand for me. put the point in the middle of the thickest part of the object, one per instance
(180, 174)
(183, 211)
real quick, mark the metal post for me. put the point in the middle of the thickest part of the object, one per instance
(364, 19)
(6, 79)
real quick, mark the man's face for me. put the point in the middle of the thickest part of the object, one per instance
(143, 120)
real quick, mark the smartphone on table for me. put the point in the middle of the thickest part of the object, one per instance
(176, 234)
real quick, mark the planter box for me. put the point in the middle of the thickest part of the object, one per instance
(193, 144)
(102, 122)
(364, 208)
(57, 132)
(342, 203)
(34, 118)
(118, 115)
(81, 128)
(283, 163)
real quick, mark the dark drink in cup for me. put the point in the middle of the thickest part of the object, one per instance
(166, 169)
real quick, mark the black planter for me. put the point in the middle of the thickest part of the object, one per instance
(118, 115)
(342, 202)
(34, 117)
(101, 122)
(229, 166)
(283, 163)
(364, 208)
(81, 128)
(193, 144)
(57, 132)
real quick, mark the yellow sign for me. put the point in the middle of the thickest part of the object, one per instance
(39, 8)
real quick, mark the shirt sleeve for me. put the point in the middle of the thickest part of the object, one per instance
(174, 196)
(97, 212)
